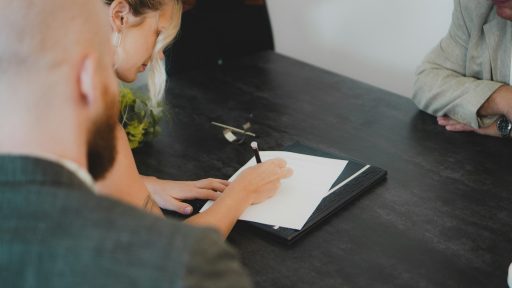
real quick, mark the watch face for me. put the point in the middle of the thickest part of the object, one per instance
(504, 127)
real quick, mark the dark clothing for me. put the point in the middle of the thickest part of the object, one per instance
(215, 32)
(55, 232)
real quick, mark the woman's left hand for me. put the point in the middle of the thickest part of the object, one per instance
(170, 194)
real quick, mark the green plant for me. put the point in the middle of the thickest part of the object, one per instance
(139, 117)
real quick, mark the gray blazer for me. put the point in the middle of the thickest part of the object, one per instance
(54, 232)
(468, 65)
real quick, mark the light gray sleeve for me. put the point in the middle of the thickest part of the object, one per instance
(212, 263)
(510, 276)
(441, 87)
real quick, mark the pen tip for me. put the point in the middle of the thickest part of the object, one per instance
(254, 145)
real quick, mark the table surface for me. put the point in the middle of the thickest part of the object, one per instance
(442, 218)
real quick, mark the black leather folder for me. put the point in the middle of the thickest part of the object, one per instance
(361, 178)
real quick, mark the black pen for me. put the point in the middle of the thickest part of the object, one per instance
(254, 146)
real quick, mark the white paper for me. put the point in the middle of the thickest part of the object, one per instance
(299, 195)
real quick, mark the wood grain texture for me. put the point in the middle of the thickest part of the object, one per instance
(442, 218)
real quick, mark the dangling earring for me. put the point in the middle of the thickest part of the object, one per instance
(116, 39)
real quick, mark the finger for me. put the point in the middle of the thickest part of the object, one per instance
(211, 180)
(441, 120)
(174, 205)
(276, 162)
(223, 182)
(445, 121)
(213, 184)
(285, 173)
(206, 194)
(278, 170)
(218, 187)
(280, 174)
(459, 128)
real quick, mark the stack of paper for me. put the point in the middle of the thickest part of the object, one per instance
(299, 195)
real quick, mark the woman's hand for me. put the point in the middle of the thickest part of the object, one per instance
(170, 194)
(254, 185)
(260, 182)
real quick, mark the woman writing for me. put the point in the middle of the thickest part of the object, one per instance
(141, 30)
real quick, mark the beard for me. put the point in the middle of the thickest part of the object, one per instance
(101, 152)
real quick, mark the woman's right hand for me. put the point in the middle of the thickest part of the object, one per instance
(254, 185)
(260, 182)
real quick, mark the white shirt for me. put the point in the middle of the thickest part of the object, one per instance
(74, 168)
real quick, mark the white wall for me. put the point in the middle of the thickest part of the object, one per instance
(375, 41)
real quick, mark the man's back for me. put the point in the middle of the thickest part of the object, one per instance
(54, 232)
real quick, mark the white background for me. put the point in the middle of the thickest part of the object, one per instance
(380, 42)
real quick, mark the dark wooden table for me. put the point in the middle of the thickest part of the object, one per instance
(443, 218)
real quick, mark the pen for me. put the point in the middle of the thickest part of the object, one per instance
(254, 146)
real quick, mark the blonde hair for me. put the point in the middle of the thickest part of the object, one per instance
(157, 77)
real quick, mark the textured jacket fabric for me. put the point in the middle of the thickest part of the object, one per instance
(55, 232)
(468, 65)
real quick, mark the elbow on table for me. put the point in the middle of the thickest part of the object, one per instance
(423, 95)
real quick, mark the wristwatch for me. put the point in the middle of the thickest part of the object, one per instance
(504, 127)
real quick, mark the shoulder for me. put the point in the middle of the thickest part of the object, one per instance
(85, 240)
(212, 261)
(113, 220)
(474, 12)
(131, 244)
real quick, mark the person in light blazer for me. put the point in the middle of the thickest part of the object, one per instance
(465, 80)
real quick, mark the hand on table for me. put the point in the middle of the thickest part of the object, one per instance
(170, 194)
(455, 126)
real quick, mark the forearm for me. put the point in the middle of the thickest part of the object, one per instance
(499, 103)
(441, 92)
(123, 181)
(150, 182)
(221, 216)
(224, 212)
